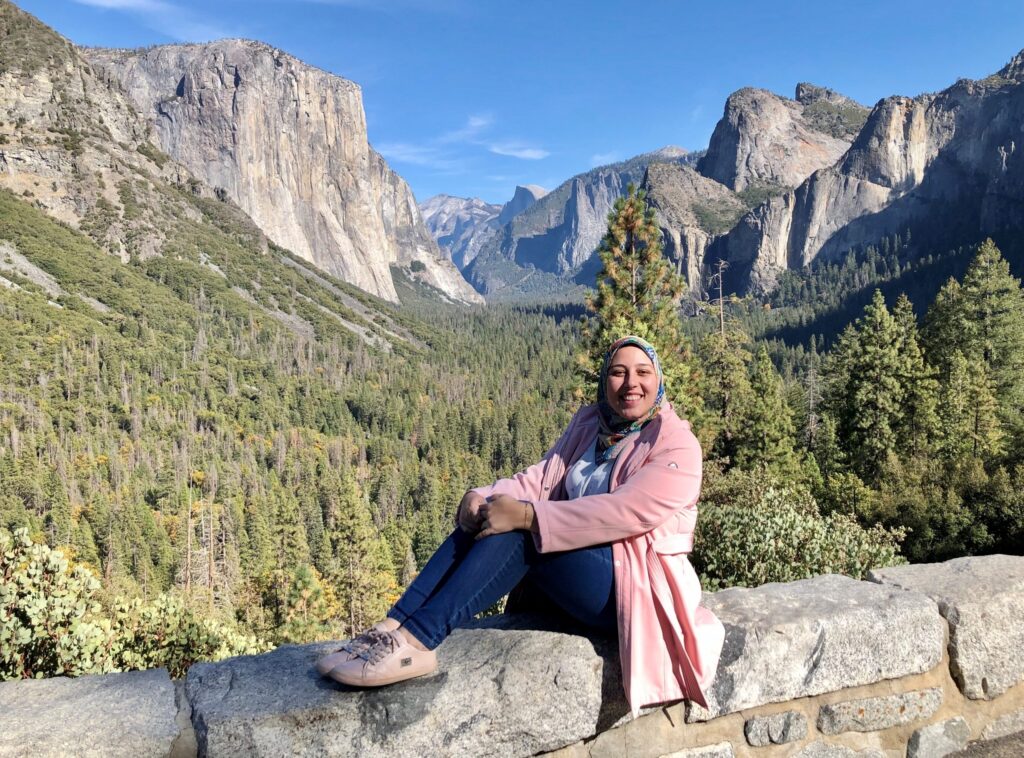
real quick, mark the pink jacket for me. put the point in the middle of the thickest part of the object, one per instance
(668, 644)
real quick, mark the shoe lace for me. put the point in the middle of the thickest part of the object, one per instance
(360, 642)
(382, 645)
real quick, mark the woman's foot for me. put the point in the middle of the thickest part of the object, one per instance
(391, 657)
(354, 646)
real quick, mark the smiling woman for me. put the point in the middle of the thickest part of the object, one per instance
(602, 526)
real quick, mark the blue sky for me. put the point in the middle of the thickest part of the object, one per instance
(471, 97)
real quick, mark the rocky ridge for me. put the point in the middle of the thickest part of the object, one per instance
(554, 240)
(767, 141)
(462, 226)
(287, 142)
(691, 211)
(945, 166)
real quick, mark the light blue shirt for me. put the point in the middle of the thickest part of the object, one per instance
(588, 477)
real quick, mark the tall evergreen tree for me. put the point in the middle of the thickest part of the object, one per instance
(725, 359)
(919, 423)
(983, 319)
(766, 434)
(864, 393)
(638, 292)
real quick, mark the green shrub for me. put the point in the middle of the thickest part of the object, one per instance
(51, 623)
(777, 534)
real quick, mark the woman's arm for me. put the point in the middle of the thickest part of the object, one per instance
(526, 485)
(667, 483)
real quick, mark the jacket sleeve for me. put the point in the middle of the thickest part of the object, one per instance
(667, 483)
(526, 485)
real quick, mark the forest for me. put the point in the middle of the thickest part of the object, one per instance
(192, 466)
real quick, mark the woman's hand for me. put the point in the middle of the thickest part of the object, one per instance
(469, 518)
(503, 513)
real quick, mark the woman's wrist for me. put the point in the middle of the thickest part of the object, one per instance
(529, 516)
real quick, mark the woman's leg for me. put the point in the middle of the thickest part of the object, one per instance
(581, 582)
(435, 573)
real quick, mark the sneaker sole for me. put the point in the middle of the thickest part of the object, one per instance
(339, 676)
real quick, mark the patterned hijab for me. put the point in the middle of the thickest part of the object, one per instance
(613, 430)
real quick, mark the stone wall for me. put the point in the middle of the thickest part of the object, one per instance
(919, 661)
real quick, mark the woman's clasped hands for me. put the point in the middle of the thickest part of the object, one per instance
(495, 515)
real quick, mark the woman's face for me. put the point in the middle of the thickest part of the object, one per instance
(632, 385)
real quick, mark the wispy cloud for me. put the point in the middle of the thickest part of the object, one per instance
(474, 125)
(518, 150)
(418, 155)
(601, 159)
(448, 151)
(176, 22)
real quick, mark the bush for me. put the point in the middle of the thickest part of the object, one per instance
(51, 623)
(777, 534)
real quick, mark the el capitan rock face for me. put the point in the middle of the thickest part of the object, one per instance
(287, 142)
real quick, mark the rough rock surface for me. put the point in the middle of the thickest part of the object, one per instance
(460, 225)
(784, 641)
(130, 714)
(938, 740)
(982, 599)
(944, 165)
(71, 141)
(764, 140)
(872, 714)
(556, 238)
(1010, 723)
(775, 730)
(524, 196)
(691, 210)
(828, 750)
(518, 693)
(287, 142)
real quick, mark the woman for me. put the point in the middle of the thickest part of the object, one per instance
(602, 525)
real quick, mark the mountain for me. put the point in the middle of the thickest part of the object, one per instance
(287, 143)
(944, 166)
(462, 226)
(691, 211)
(524, 197)
(546, 246)
(767, 141)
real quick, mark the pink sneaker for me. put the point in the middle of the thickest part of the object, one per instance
(387, 660)
(352, 647)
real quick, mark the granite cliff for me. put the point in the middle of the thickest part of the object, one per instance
(945, 166)
(551, 244)
(462, 226)
(288, 144)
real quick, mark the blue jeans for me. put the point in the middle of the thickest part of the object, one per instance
(466, 576)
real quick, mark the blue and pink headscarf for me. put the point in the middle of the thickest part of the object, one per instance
(613, 430)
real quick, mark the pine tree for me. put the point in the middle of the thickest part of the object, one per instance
(363, 575)
(638, 292)
(724, 359)
(919, 423)
(864, 393)
(968, 412)
(983, 319)
(767, 435)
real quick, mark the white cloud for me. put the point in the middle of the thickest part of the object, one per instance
(517, 150)
(143, 6)
(601, 159)
(417, 155)
(167, 18)
(474, 125)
